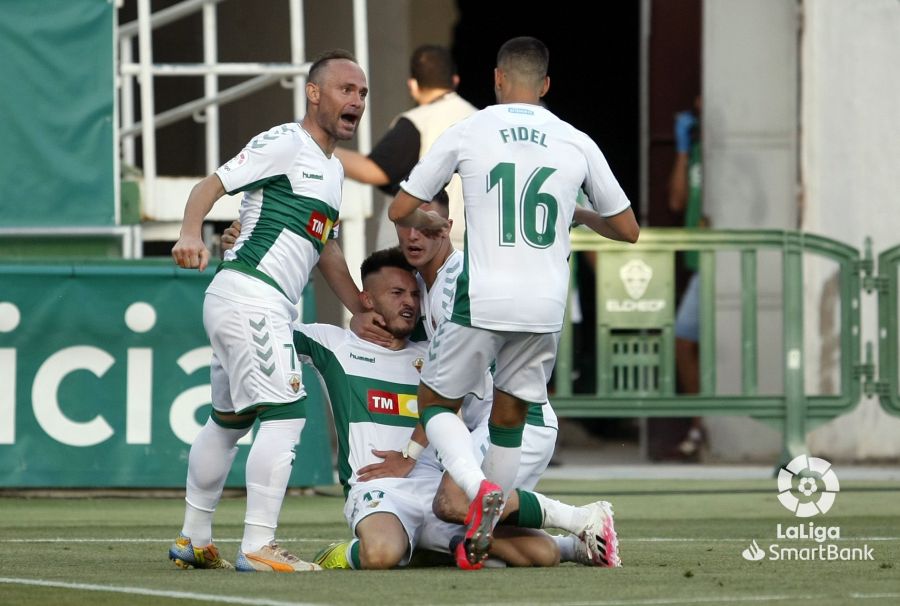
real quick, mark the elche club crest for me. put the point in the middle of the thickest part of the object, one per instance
(636, 275)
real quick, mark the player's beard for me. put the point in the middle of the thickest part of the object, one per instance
(400, 328)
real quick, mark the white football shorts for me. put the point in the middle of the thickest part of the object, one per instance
(249, 325)
(409, 499)
(458, 357)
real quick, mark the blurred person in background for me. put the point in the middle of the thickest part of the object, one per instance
(686, 197)
(432, 85)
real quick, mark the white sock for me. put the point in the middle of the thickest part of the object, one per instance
(566, 544)
(561, 515)
(501, 466)
(209, 462)
(269, 467)
(348, 553)
(453, 443)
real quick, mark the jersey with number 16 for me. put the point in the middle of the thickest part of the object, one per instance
(521, 169)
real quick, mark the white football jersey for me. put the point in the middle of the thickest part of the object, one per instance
(521, 169)
(437, 306)
(437, 301)
(371, 390)
(292, 197)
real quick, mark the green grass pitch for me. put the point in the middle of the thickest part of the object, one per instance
(680, 542)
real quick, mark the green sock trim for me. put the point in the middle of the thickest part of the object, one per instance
(353, 555)
(508, 437)
(216, 417)
(429, 413)
(530, 513)
(291, 410)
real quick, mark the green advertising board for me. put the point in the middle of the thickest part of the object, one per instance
(104, 378)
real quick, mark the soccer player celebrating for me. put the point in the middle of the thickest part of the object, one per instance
(522, 168)
(292, 196)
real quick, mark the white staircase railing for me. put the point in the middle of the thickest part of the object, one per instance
(205, 110)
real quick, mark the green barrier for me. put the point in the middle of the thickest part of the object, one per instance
(635, 359)
(885, 284)
(104, 377)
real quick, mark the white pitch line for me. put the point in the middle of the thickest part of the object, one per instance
(263, 602)
(181, 595)
(723, 599)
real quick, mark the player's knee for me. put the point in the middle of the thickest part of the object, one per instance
(448, 509)
(546, 557)
(378, 554)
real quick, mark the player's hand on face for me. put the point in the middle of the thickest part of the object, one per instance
(230, 235)
(433, 225)
(370, 326)
(190, 252)
(393, 466)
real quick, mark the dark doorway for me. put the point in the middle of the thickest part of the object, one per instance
(594, 68)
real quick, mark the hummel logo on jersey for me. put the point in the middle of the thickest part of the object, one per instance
(307, 175)
(389, 403)
(319, 226)
(370, 360)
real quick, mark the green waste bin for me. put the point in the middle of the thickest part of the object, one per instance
(635, 323)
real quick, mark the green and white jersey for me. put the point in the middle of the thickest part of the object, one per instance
(292, 196)
(437, 301)
(437, 306)
(521, 169)
(371, 391)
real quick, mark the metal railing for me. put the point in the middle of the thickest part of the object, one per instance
(205, 110)
(794, 411)
(887, 387)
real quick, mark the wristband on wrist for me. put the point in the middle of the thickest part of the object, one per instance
(412, 450)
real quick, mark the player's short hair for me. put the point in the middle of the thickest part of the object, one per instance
(432, 66)
(525, 57)
(386, 257)
(443, 200)
(322, 61)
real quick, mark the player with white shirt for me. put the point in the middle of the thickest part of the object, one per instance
(379, 469)
(371, 391)
(438, 265)
(521, 169)
(292, 197)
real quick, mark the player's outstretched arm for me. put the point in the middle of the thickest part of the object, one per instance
(190, 251)
(622, 227)
(333, 266)
(361, 168)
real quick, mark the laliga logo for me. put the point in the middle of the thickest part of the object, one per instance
(816, 481)
(636, 276)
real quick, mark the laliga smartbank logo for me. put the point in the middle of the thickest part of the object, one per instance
(807, 487)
